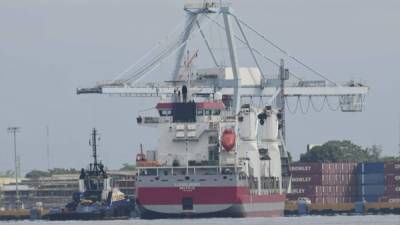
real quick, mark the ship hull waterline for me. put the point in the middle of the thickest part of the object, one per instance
(206, 202)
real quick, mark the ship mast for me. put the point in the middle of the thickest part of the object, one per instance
(94, 146)
(96, 166)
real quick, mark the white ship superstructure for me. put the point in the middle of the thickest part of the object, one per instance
(212, 162)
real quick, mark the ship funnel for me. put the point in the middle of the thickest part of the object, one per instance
(269, 124)
(247, 125)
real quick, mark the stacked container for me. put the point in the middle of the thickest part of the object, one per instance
(371, 181)
(392, 180)
(324, 182)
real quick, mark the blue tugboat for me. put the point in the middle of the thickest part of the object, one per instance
(96, 199)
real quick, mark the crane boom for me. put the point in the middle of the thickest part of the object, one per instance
(157, 90)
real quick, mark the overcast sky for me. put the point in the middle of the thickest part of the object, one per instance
(48, 48)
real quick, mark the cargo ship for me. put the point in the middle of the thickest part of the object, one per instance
(210, 162)
(96, 199)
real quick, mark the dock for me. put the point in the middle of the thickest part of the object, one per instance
(360, 208)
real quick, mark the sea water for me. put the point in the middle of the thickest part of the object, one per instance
(305, 220)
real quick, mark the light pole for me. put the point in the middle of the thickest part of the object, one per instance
(14, 130)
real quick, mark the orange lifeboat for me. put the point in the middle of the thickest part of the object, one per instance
(228, 139)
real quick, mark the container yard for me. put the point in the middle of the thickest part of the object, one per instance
(324, 183)
(344, 188)
(330, 183)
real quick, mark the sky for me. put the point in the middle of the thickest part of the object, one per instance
(48, 48)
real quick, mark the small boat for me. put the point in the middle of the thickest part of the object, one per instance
(96, 199)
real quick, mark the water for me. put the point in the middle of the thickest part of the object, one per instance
(306, 220)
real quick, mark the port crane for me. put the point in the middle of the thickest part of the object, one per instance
(275, 89)
(201, 14)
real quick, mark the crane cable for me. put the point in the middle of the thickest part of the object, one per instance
(158, 60)
(321, 107)
(304, 111)
(286, 53)
(159, 43)
(165, 53)
(288, 107)
(330, 106)
(255, 50)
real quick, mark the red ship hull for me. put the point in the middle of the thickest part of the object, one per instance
(216, 201)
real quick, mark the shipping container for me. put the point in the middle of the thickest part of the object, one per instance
(324, 190)
(371, 178)
(370, 168)
(338, 179)
(338, 168)
(392, 179)
(392, 190)
(303, 190)
(372, 189)
(306, 168)
(306, 179)
(336, 190)
(392, 167)
(370, 198)
(323, 168)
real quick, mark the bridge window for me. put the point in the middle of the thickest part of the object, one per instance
(200, 112)
(216, 112)
(165, 112)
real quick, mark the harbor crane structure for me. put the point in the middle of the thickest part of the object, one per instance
(276, 89)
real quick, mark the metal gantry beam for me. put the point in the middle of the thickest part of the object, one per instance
(348, 94)
(233, 57)
(289, 91)
(190, 21)
(207, 44)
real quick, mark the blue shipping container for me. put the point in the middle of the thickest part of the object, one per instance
(369, 198)
(372, 189)
(370, 167)
(371, 178)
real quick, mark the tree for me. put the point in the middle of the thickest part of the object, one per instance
(58, 171)
(374, 152)
(34, 174)
(128, 167)
(390, 158)
(7, 174)
(290, 158)
(342, 151)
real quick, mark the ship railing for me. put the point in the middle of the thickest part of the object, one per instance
(264, 191)
(191, 170)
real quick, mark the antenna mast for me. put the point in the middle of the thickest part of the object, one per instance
(48, 147)
(94, 146)
(399, 137)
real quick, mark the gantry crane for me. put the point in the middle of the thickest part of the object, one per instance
(350, 95)
(276, 89)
